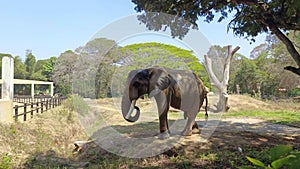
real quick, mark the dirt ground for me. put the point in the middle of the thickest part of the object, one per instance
(106, 140)
(217, 134)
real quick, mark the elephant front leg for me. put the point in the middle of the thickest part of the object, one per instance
(163, 126)
(163, 105)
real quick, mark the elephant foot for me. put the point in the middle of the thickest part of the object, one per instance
(187, 133)
(196, 131)
(164, 135)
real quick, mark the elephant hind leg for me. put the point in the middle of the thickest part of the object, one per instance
(195, 126)
(189, 126)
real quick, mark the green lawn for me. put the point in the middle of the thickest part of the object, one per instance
(282, 117)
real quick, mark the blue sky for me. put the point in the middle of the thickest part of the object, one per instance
(49, 28)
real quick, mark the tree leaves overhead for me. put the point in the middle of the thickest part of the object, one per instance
(161, 21)
(248, 14)
(250, 18)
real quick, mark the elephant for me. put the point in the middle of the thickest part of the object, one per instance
(180, 89)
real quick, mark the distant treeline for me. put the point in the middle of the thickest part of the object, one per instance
(92, 70)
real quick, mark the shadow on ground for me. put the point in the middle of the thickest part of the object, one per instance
(220, 150)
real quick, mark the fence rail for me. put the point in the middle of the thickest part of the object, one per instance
(29, 99)
(35, 106)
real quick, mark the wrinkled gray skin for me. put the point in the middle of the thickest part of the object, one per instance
(177, 88)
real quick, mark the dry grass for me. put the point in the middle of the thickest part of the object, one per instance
(47, 140)
(49, 134)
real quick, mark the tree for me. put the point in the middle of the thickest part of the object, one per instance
(145, 55)
(63, 71)
(19, 68)
(88, 70)
(278, 53)
(30, 63)
(220, 82)
(251, 17)
(48, 67)
(95, 67)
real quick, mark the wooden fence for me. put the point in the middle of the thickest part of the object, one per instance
(29, 99)
(30, 106)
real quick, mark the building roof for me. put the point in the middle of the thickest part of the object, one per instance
(23, 81)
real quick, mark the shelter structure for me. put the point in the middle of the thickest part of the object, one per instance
(33, 83)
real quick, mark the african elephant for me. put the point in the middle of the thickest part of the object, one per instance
(179, 89)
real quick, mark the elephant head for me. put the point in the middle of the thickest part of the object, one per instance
(140, 82)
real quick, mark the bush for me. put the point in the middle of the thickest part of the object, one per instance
(77, 104)
(294, 92)
(5, 161)
(277, 157)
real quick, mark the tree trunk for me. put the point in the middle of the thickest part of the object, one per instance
(289, 45)
(268, 20)
(221, 86)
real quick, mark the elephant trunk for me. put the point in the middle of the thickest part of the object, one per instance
(127, 109)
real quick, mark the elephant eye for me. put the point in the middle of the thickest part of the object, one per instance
(136, 84)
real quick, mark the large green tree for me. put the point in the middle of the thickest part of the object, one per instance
(144, 55)
(48, 67)
(96, 65)
(88, 70)
(250, 18)
(63, 71)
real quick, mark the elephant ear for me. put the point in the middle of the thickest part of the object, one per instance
(159, 81)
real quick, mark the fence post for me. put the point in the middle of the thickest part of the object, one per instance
(31, 112)
(16, 112)
(46, 105)
(37, 107)
(25, 112)
(42, 105)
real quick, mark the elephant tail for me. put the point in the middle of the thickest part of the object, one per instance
(206, 106)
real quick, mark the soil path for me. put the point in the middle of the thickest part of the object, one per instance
(217, 128)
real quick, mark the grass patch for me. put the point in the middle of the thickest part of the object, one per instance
(291, 118)
(41, 142)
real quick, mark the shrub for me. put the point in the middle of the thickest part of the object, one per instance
(5, 161)
(277, 157)
(77, 104)
(294, 92)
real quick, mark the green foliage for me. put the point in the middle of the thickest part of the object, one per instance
(247, 76)
(88, 70)
(5, 161)
(294, 92)
(277, 157)
(263, 74)
(63, 71)
(248, 19)
(77, 104)
(156, 54)
(48, 67)
(19, 68)
(30, 63)
(281, 117)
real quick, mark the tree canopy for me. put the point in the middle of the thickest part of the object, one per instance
(156, 54)
(250, 18)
